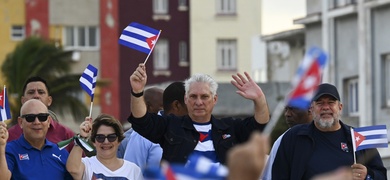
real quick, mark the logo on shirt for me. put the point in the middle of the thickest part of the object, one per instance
(58, 157)
(225, 136)
(23, 157)
(344, 147)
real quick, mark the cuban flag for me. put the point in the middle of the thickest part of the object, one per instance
(5, 112)
(307, 78)
(199, 168)
(139, 37)
(88, 80)
(369, 137)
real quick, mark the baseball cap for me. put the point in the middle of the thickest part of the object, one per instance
(326, 89)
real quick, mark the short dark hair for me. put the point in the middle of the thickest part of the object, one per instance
(175, 91)
(107, 120)
(35, 79)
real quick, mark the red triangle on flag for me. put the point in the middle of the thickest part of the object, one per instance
(2, 99)
(202, 137)
(359, 138)
(309, 81)
(151, 41)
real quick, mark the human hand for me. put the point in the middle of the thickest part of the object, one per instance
(246, 86)
(86, 127)
(359, 171)
(3, 133)
(138, 79)
(339, 174)
(246, 161)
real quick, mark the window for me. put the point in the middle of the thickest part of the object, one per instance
(353, 96)
(81, 37)
(17, 32)
(183, 53)
(161, 55)
(226, 6)
(182, 5)
(160, 6)
(226, 55)
(385, 73)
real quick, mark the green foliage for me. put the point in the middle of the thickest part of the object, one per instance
(279, 129)
(36, 57)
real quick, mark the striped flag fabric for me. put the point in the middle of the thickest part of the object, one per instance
(139, 37)
(88, 80)
(197, 167)
(5, 111)
(369, 137)
(307, 78)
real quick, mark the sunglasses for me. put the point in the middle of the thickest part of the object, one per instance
(101, 138)
(42, 117)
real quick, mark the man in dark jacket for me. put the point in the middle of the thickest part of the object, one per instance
(324, 145)
(198, 132)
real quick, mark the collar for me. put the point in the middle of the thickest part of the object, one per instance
(23, 142)
(215, 123)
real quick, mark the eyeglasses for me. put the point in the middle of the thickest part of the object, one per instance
(42, 117)
(101, 138)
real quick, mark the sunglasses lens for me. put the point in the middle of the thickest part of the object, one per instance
(30, 118)
(111, 137)
(42, 117)
(100, 138)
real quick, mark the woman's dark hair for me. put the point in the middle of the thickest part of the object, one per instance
(107, 120)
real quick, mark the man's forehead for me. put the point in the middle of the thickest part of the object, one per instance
(36, 85)
(326, 97)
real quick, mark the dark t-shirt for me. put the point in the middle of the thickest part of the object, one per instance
(331, 151)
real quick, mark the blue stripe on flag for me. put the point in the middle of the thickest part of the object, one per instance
(135, 36)
(88, 80)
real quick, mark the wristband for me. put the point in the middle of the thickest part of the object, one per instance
(137, 95)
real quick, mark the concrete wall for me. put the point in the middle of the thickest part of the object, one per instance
(207, 27)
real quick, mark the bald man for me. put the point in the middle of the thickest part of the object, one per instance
(32, 156)
(154, 99)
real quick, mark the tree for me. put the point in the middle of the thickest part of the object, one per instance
(37, 57)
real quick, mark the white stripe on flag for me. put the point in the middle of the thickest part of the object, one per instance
(134, 41)
(374, 141)
(88, 72)
(3, 113)
(87, 83)
(373, 132)
(139, 31)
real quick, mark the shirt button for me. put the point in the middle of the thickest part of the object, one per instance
(171, 139)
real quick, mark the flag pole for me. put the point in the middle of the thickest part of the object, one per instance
(152, 47)
(353, 144)
(274, 118)
(90, 109)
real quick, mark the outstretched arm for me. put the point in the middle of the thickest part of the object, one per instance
(4, 171)
(248, 89)
(137, 82)
(74, 165)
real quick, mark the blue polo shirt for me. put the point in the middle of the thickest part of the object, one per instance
(27, 162)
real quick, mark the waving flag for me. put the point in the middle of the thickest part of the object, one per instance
(88, 80)
(198, 167)
(139, 37)
(5, 112)
(369, 137)
(307, 78)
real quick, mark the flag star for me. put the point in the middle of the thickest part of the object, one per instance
(357, 138)
(154, 41)
(309, 82)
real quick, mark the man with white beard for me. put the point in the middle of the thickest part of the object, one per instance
(324, 145)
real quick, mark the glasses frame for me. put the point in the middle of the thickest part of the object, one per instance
(100, 138)
(42, 117)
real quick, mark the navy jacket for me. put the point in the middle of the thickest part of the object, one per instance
(296, 148)
(178, 137)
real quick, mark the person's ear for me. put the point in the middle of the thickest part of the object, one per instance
(50, 101)
(20, 122)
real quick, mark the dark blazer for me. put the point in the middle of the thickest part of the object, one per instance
(178, 137)
(296, 149)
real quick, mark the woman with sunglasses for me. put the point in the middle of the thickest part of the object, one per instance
(106, 134)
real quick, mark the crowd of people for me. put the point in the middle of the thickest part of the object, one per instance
(171, 125)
